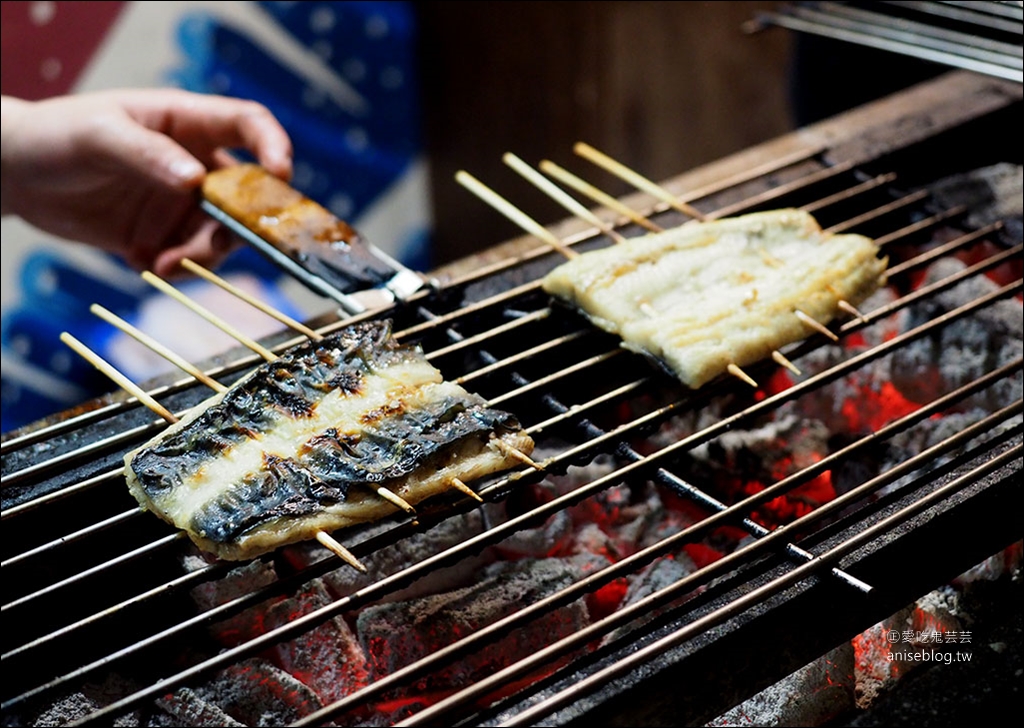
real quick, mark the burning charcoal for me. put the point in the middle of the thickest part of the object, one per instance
(550, 539)
(991, 194)
(811, 696)
(966, 348)
(395, 635)
(238, 582)
(412, 550)
(328, 659)
(1007, 561)
(67, 710)
(887, 651)
(259, 694)
(188, 709)
(660, 574)
(591, 539)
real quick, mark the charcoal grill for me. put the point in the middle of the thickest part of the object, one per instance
(97, 588)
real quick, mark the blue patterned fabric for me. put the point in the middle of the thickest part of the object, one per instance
(306, 61)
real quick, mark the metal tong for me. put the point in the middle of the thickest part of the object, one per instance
(306, 240)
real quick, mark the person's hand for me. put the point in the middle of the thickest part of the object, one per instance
(119, 169)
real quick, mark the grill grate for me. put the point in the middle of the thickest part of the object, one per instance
(95, 585)
(979, 36)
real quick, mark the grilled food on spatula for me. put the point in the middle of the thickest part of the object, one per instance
(702, 296)
(299, 445)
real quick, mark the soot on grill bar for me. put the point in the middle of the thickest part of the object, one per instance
(942, 631)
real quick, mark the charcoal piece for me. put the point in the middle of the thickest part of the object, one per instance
(395, 635)
(327, 658)
(259, 694)
(188, 709)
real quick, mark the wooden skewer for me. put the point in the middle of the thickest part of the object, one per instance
(208, 315)
(156, 346)
(259, 349)
(462, 487)
(780, 359)
(124, 382)
(814, 325)
(513, 213)
(852, 310)
(513, 453)
(140, 394)
(602, 198)
(328, 542)
(640, 182)
(251, 300)
(394, 498)
(552, 191)
(740, 374)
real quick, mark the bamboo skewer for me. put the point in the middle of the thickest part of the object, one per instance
(811, 323)
(156, 346)
(513, 213)
(262, 351)
(132, 388)
(120, 379)
(852, 310)
(217, 321)
(639, 181)
(602, 198)
(516, 454)
(251, 300)
(740, 374)
(560, 197)
(328, 542)
(306, 331)
(783, 361)
(462, 487)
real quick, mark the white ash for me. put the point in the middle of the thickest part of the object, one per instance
(656, 576)
(412, 550)
(810, 696)
(327, 658)
(552, 536)
(965, 349)
(67, 710)
(186, 708)
(991, 193)
(395, 635)
(257, 693)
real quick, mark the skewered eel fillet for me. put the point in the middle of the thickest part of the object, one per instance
(301, 443)
(702, 296)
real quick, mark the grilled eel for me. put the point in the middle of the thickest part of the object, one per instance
(702, 296)
(300, 444)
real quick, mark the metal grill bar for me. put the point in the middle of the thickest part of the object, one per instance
(944, 249)
(515, 393)
(132, 434)
(875, 28)
(480, 273)
(530, 716)
(496, 534)
(626, 565)
(470, 332)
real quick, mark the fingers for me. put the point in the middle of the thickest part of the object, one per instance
(208, 246)
(207, 124)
